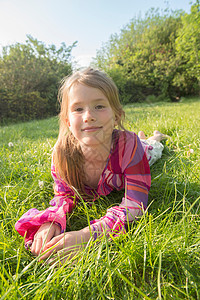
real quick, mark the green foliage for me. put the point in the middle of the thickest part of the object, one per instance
(158, 258)
(150, 56)
(29, 77)
(22, 106)
(188, 48)
(153, 99)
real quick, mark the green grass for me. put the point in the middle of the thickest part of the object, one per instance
(157, 259)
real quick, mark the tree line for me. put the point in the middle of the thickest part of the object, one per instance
(156, 57)
(30, 74)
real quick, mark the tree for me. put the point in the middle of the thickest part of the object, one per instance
(150, 56)
(29, 77)
(188, 50)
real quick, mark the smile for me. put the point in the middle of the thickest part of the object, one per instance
(91, 129)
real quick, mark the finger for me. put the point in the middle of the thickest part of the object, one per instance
(56, 240)
(56, 244)
(55, 248)
(51, 234)
(36, 246)
(48, 237)
(33, 247)
(46, 255)
(57, 231)
(42, 239)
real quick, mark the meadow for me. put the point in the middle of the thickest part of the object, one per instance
(158, 257)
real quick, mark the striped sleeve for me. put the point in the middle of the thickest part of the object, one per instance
(134, 166)
(62, 203)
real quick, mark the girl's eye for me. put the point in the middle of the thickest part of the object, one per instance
(78, 109)
(99, 106)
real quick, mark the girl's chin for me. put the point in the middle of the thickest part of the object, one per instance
(91, 141)
(96, 139)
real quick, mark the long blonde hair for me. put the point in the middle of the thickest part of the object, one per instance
(68, 157)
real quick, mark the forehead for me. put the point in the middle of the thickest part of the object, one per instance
(83, 93)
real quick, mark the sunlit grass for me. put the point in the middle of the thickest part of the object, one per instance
(157, 258)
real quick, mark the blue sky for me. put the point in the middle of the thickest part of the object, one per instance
(90, 22)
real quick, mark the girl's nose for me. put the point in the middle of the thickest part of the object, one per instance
(88, 116)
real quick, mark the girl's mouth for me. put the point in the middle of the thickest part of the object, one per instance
(91, 129)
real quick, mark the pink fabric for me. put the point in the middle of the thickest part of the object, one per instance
(127, 168)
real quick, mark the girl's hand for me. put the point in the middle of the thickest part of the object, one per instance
(44, 234)
(67, 244)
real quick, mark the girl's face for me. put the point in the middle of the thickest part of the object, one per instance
(90, 116)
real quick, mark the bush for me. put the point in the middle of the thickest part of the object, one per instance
(29, 78)
(155, 99)
(22, 106)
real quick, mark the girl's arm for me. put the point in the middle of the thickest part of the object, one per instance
(137, 180)
(63, 202)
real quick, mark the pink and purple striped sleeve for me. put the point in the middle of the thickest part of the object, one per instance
(134, 166)
(62, 203)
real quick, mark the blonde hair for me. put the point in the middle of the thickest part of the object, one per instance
(68, 157)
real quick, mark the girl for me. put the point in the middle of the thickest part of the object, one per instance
(90, 159)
